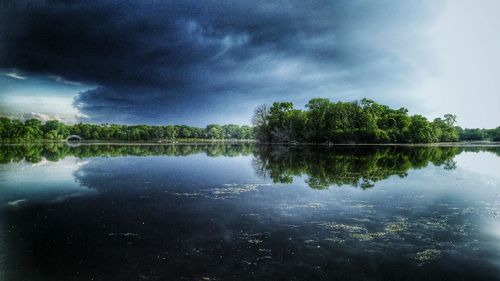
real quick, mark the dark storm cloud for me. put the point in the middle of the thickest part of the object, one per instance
(200, 61)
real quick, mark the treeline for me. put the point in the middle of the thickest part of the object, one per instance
(324, 121)
(34, 130)
(479, 134)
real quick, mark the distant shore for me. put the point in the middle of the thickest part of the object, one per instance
(248, 141)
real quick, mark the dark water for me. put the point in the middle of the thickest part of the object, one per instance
(249, 213)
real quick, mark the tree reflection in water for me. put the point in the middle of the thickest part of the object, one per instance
(356, 165)
(359, 166)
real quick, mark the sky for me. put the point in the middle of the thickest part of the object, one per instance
(202, 62)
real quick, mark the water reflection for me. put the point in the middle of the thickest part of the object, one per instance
(25, 183)
(249, 213)
(35, 153)
(359, 166)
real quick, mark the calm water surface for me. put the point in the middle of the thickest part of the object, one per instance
(243, 212)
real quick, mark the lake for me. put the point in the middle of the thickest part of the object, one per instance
(249, 212)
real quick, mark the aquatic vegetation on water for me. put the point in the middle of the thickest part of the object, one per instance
(234, 189)
(427, 256)
(362, 233)
(344, 227)
(368, 236)
(398, 226)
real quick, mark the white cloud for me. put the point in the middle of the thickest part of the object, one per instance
(39, 116)
(15, 75)
(65, 118)
(62, 80)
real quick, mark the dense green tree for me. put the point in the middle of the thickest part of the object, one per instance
(317, 119)
(247, 132)
(495, 134)
(473, 134)
(420, 130)
(444, 129)
(215, 131)
(33, 129)
(171, 132)
(349, 122)
(55, 130)
(185, 132)
(232, 131)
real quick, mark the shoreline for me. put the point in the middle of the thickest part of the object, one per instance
(230, 142)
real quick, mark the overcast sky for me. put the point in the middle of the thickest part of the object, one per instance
(200, 62)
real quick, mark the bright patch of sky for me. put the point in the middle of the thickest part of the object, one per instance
(27, 96)
(465, 42)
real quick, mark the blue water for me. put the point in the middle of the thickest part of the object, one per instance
(249, 213)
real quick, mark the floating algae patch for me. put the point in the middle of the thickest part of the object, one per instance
(490, 210)
(435, 224)
(255, 241)
(254, 238)
(363, 234)
(361, 205)
(335, 240)
(399, 226)
(313, 206)
(468, 210)
(344, 227)
(353, 231)
(231, 190)
(392, 228)
(367, 236)
(187, 194)
(427, 256)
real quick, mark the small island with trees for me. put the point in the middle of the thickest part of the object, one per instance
(321, 122)
(362, 121)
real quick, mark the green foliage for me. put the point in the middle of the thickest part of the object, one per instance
(55, 130)
(171, 132)
(324, 121)
(420, 130)
(35, 130)
(495, 134)
(444, 129)
(479, 134)
(215, 131)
